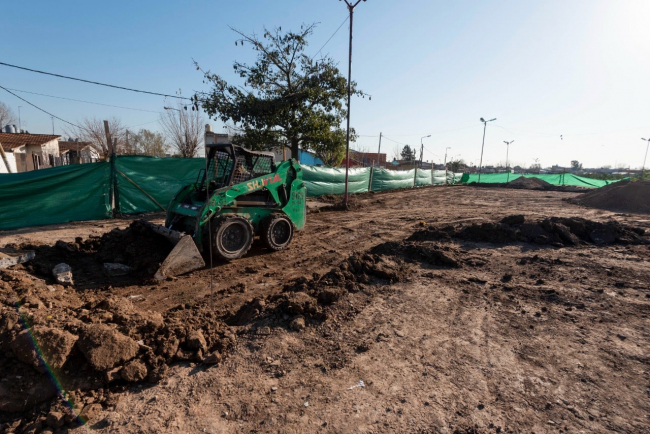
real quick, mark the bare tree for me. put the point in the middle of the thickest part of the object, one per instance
(184, 128)
(92, 130)
(7, 116)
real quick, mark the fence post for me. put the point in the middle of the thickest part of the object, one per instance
(415, 177)
(371, 171)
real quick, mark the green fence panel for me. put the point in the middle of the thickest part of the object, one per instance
(160, 178)
(330, 180)
(384, 179)
(55, 195)
(454, 178)
(423, 177)
(551, 178)
(439, 177)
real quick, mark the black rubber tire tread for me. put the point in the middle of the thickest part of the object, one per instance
(266, 228)
(220, 224)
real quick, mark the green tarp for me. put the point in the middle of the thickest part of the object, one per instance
(56, 195)
(383, 179)
(329, 180)
(555, 179)
(423, 177)
(160, 178)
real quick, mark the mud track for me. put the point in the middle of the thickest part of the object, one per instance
(448, 334)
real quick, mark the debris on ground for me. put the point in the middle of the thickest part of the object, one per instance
(10, 257)
(62, 274)
(621, 196)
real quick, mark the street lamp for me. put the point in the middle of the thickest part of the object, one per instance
(446, 163)
(507, 151)
(644, 158)
(347, 134)
(421, 149)
(480, 166)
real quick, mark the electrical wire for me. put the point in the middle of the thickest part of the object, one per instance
(87, 102)
(38, 108)
(94, 82)
(333, 34)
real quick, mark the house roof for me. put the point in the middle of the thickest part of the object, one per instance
(72, 146)
(11, 141)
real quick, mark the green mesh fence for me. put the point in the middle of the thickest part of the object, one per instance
(423, 177)
(383, 179)
(555, 179)
(329, 180)
(148, 184)
(55, 195)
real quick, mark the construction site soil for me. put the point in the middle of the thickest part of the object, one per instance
(622, 196)
(446, 309)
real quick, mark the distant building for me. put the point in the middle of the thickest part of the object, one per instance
(27, 152)
(76, 152)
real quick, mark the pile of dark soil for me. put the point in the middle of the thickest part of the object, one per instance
(556, 231)
(622, 196)
(135, 246)
(529, 183)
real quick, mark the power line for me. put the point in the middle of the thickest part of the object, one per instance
(94, 82)
(44, 111)
(87, 102)
(335, 32)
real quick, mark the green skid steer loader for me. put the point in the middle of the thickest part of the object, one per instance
(240, 194)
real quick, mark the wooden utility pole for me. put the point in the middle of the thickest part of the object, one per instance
(109, 142)
(379, 151)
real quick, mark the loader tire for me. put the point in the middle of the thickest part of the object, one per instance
(232, 237)
(277, 232)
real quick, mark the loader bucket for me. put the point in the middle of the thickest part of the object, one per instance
(185, 257)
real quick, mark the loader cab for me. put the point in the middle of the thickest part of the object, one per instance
(228, 164)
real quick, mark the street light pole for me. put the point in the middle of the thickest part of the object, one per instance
(347, 135)
(422, 148)
(644, 158)
(447, 148)
(480, 165)
(507, 151)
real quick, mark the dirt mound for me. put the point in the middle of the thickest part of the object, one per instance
(135, 246)
(529, 183)
(93, 343)
(556, 231)
(622, 196)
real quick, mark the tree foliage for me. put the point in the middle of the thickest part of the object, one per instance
(576, 165)
(456, 165)
(288, 99)
(408, 153)
(146, 142)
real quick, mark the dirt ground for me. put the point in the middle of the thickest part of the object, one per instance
(373, 320)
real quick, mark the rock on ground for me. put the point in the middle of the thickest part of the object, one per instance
(105, 347)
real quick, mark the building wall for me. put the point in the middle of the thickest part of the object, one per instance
(11, 159)
(305, 157)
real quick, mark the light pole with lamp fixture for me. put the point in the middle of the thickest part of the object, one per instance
(480, 165)
(507, 151)
(644, 158)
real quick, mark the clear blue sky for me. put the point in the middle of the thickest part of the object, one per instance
(576, 68)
